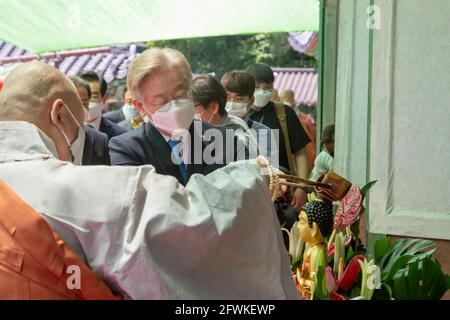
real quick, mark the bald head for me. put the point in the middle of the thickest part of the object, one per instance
(30, 89)
(40, 94)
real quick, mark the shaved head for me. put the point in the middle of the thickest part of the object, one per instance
(31, 88)
(40, 94)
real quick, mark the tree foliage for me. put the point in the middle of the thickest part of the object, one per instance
(226, 53)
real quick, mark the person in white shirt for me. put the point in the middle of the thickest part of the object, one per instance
(324, 160)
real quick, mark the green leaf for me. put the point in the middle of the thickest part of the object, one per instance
(296, 265)
(432, 274)
(355, 227)
(384, 293)
(321, 291)
(349, 255)
(413, 278)
(422, 279)
(388, 289)
(398, 264)
(381, 248)
(418, 248)
(401, 289)
(422, 245)
(367, 187)
(356, 292)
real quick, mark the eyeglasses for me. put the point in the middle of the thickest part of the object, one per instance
(162, 107)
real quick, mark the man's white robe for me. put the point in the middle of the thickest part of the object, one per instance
(145, 234)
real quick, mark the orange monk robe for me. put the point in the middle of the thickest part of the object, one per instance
(35, 263)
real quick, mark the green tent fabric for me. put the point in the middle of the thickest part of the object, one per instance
(54, 25)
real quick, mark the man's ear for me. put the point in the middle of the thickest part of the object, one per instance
(214, 107)
(251, 101)
(55, 112)
(138, 106)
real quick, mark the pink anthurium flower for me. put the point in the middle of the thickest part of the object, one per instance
(349, 208)
(331, 282)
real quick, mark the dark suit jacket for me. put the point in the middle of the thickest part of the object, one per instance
(115, 116)
(110, 128)
(96, 150)
(145, 145)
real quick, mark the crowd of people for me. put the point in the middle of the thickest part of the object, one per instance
(157, 199)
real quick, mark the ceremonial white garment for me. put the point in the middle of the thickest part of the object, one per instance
(145, 234)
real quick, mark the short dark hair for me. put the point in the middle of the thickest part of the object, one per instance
(79, 82)
(327, 135)
(91, 76)
(240, 82)
(261, 72)
(206, 89)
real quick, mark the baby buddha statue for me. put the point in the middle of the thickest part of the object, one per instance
(315, 223)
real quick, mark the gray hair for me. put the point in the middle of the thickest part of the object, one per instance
(153, 60)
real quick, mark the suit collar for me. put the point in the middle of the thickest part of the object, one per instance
(160, 152)
(196, 132)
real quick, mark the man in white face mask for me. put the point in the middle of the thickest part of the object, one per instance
(175, 144)
(96, 106)
(144, 234)
(127, 117)
(96, 150)
(240, 87)
(279, 117)
(210, 100)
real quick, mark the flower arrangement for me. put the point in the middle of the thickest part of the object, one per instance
(403, 269)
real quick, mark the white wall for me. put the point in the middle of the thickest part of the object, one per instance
(393, 120)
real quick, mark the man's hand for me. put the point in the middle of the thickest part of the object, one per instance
(299, 198)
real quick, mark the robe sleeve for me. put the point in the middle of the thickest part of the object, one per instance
(218, 238)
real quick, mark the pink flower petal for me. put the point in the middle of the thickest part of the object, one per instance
(331, 282)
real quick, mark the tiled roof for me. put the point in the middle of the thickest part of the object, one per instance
(302, 81)
(304, 42)
(110, 62)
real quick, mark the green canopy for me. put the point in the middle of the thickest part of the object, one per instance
(54, 25)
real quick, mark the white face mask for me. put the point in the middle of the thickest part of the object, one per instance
(77, 146)
(262, 97)
(237, 109)
(95, 111)
(174, 117)
(130, 112)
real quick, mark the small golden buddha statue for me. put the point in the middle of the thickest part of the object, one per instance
(315, 223)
